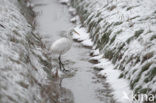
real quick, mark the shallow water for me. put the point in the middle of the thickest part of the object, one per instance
(82, 83)
(52, 19)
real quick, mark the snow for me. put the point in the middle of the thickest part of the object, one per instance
(19, 62)
(95, 52)
(132, 24)
(72, 11)
(81, 35)
(119, 86)
(74, 19)
(64, 1)
(96, 57)
(87, 42)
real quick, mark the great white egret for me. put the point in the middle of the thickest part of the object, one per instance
(61, 46)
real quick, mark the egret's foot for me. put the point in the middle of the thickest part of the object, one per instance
(65, 70)
(62, 68)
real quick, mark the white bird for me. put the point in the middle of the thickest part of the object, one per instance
(61, 46)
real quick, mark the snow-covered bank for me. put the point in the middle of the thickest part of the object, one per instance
(119, 86)
(82, 36)
(105, 68)
(24, 68)
(124, 32)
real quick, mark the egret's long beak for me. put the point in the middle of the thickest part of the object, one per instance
(75, 31)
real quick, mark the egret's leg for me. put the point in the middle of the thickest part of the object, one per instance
(61, 64)
(60, 84)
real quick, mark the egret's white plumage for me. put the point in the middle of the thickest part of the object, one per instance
(61, 46)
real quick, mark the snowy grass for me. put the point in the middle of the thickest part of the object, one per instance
(120, 86)
(23, 65)
(82, 36)
(124, 31)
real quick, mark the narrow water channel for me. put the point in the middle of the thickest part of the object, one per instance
(52, 19)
